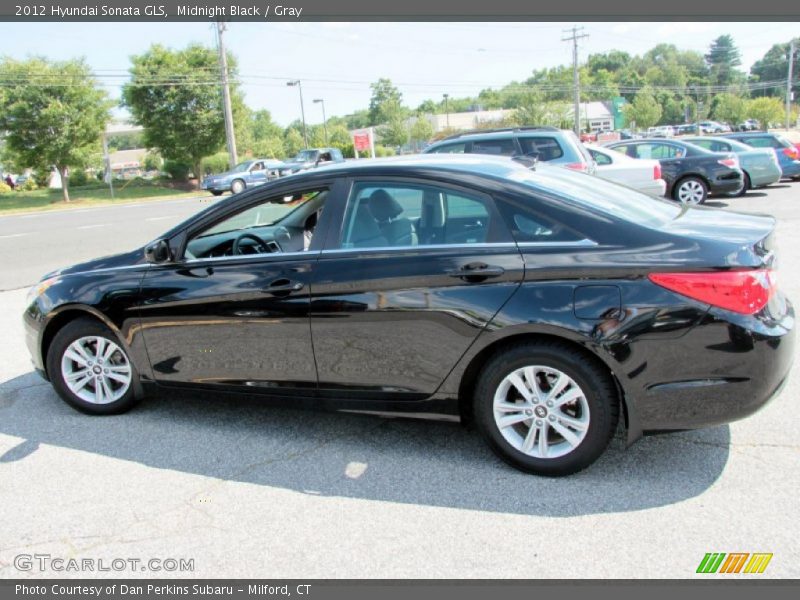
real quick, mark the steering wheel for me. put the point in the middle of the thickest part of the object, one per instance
(260, 244)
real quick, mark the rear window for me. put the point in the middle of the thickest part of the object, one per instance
(456, 148)
(600, 195)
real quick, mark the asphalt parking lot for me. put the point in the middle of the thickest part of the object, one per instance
(247, 490)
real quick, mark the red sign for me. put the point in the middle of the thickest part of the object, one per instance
(361, 140)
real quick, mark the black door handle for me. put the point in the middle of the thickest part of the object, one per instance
(475, 272)
(284, 285)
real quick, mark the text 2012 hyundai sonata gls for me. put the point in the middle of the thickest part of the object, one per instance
(542, 306)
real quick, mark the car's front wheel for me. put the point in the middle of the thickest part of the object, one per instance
(90, 369)
(545, 408)
(691, 190)
(237, 186)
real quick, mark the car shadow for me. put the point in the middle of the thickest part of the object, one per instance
(433, 463)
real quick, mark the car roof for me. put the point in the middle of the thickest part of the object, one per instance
(474, 134)
(477, 164)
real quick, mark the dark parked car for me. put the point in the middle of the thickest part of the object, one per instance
(559, 147)
(691, 172)
(540, 305)
(310, 158)
(787, 153)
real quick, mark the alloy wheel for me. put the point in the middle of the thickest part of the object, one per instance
(96, 370)
(691, 192)
(541, 411)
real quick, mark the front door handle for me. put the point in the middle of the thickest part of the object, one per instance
(284, 285)
(475, 272)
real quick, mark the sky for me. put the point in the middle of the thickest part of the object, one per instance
(337, 61)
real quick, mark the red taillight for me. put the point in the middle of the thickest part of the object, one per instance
(791, 153)
(657, 171)
(729, 162)
(745, 292)
(577, 166)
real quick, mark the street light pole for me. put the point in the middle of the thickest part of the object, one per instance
(324, 119)
(296, 82)
(446, 110)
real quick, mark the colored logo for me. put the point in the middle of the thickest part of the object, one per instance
(734, 562)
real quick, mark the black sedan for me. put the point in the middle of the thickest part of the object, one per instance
(542, 306)
(691, 172)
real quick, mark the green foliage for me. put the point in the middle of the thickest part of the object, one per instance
(729, 108)
(28, 185)
(386, 103)
(5, 188)
(59, 120)
(766, 111)
(395, 132)
(382, 151)
(644, 111)
(177, 169)
(293, 142)
(271, 147)
(125, 141)
(421, 130)
(153, 161)
(774, 67)
(216, 163)
(77, 178)
(723, 57)
(184, 122)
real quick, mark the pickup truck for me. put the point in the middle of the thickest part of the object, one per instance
(310, 158)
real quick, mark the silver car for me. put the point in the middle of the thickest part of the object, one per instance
(760, 165)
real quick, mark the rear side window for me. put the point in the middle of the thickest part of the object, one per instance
(763, 142)
(457, 148)
(529, 225)
(548, 148)
(393, 214)
(498, 147)
(658, 151)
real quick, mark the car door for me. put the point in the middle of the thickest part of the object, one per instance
(257, 174)
(221, 318)
(417, 270)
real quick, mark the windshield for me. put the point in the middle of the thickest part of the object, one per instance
(601, 195)
(306, 156)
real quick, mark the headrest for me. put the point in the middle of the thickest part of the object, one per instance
(383, 207)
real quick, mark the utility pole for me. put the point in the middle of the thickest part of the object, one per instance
(296, 82)
(446, 109)
(576, 82)
(789, 85)
(324, 119)
(230, 136)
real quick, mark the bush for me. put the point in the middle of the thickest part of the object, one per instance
(78, 178)
(4, 188)
(153, 161)
(381, 151)
(177, 169)
(28, 186)
(216, 163)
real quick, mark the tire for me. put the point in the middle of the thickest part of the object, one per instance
(114, 366)
(216, 192)
(746, 186)
(237, 186)
(593, 409)
(694, 190)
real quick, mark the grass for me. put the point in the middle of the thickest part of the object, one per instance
(93, 194)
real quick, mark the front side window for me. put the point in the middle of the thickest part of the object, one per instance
(280, 224)
(391, 214)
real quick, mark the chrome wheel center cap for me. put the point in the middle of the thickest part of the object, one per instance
(97, 370)
(540, 411)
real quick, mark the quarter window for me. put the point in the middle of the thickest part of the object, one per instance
(502, 147)
(389, 214)
(547, 148)
(458, 148)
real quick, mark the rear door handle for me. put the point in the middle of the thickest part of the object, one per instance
(477, 272)
(284, 285)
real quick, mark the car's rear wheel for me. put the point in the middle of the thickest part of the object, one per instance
(691, 190)
(90, 369)
(216, 192)
(546, 408)
(237, 186)
(746, 185)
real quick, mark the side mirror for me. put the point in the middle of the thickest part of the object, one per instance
(157, 252)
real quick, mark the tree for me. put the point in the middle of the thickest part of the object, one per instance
(765, 111)
(172, 95)
(293, 141)
(52, 114)
(385, 103)
(395, 132)
(644, 111)
(774, 67)
(729, 108)
(421, 131)
(723, 57)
